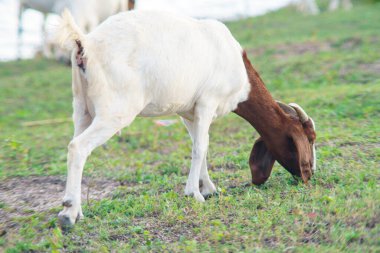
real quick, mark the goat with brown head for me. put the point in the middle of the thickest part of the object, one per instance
(287, 133)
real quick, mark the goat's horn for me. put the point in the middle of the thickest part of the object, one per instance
(287, 109)
(301, 113)
(312, 123)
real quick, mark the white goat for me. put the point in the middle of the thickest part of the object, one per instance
(311, 7)
(87, 13)
(152, 64)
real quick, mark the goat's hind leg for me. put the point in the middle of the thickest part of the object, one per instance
(82, 120)
(100, 130)
(81, 117)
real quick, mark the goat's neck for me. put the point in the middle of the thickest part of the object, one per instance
(260, 109)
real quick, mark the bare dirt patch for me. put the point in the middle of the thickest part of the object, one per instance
(370, 70)
(286, 51)
(373, 67)
(25, 196)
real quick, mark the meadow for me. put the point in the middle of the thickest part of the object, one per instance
(133, 186)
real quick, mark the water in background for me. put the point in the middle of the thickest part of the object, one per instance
(32, 20)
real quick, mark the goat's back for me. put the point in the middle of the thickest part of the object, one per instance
(170, 60)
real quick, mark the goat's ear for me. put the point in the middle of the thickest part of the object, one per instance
(261, 162)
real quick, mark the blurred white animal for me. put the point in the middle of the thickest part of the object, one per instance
(87, 14)
(334, 4)
(311, 7)
(43, 6)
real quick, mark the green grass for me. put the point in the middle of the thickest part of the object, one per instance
(330, 64)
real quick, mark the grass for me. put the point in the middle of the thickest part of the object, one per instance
(328, 63)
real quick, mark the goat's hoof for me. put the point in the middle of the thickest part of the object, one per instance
(199, 197)
(66, 221)
(208, 190)
(210, 195)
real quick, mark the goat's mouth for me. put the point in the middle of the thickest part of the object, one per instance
(299, 178)
(304, 175)
(260, 176)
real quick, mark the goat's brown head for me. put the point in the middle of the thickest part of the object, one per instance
(292, 146)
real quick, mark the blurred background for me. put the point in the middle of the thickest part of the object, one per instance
(32, 22)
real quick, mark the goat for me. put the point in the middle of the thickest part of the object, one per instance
(311, 7)
(146, 63)
(87, 13)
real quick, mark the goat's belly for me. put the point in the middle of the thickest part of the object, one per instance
(154, 110)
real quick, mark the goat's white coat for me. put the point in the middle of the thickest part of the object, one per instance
(151, 64)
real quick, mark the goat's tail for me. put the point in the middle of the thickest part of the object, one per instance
(68, 34)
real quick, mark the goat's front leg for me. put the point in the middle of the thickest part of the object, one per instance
(208, 188)
(203, 117)
(100, 130)
(206, 185)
